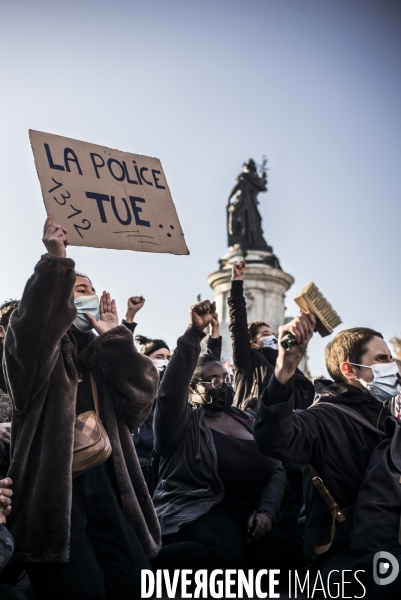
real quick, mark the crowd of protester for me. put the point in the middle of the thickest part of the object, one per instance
(115, 459)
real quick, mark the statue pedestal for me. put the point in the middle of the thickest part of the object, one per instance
(265, 285)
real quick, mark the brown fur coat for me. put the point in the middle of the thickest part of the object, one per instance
(42, 382)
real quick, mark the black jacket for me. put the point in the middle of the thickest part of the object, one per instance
(253, 368)
(42, 381)
(189, 484)
(143, 437)
(3, 386)
(338, 447)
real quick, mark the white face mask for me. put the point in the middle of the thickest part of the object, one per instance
(270, 341)
(386, 381)
(86, 304)
(160, 364)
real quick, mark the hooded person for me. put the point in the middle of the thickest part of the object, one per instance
(215, 489)
(84, 534)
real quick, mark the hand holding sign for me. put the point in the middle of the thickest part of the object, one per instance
(55, 238)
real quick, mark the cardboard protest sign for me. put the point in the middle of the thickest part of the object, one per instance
(106, 198)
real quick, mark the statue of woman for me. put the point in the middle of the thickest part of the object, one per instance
(244, 220)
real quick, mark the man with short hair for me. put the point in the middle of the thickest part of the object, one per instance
(337, 445)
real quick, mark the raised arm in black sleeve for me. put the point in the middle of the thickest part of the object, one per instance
(130, 326)
(214, 347)
(172, 411)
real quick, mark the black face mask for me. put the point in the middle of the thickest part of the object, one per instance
(161, 375)
(221, 399)
(270, 354)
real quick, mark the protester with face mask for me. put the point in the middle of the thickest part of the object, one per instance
(395, 404)
(5, 403)
(87, 536)
(143, 438)
(159, 352)
(255, 350)
(335, 439)
(215, 490)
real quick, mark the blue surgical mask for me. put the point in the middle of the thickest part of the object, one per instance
(386, 381)
(86, 304)
(270, 341)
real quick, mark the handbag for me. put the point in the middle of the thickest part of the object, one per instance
(91, 443)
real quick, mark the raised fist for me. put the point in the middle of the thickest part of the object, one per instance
(238, 270)
(202, 314)
(134, 304)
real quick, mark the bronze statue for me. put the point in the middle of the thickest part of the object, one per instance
(244, 221)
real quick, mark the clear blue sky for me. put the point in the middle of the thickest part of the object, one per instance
(204, 85)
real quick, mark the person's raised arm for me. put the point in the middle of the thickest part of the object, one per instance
(280, 431)
(134, 305)
(45, 314)
(214, 340)
(287, 362)
(241, 342)
(172, 412)
(132, 375)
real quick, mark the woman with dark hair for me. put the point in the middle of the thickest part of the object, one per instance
(159, 352)
(143, 438)
(82, 531)
(215, 490)
(255, 352)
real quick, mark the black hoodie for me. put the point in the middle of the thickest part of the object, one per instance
(337, 446)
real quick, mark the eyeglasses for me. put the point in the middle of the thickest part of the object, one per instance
(217, 382)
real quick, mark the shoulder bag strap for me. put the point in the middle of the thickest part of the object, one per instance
(332, 505)
(94, 394)
(353, 414)
(324, 493)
